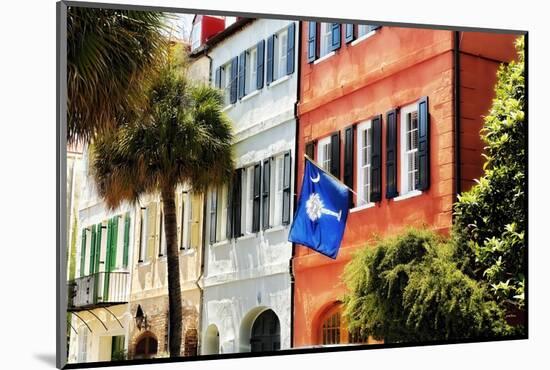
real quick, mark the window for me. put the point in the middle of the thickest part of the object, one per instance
(143, 235)
(325, 39)
(225, 83)
(324, 153)
(82, 344)
(196, 35)
(218, 208)
(363, 29)
(280, 55)
(409, 148)
(364, 147)
(276, 190)
(186, 220)
(247, 199)
(162, 248)
(334, 330)
(251, 61)
(331, 329)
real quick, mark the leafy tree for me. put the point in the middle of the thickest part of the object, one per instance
(181, 137)
(490, 218)
(111, 55)
(408, 288)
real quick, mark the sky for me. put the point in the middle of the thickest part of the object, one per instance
(182, 24)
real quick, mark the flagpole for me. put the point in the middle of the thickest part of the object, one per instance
(334, 177)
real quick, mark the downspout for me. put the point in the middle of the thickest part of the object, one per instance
(456, 114)
(295, 200)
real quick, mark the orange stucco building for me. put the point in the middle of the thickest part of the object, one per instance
(395, 113)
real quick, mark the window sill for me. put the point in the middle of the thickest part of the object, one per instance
(274, 229)
(246, 237)
(362, 207)
(250, 95)
(187, 251)
(363, 38)
(279, 81)
(324, 57)
(227, 107)
(410, 194)
(220, 243)
(144, 263)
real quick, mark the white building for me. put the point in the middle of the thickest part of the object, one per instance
(98, 308)
(247, 285)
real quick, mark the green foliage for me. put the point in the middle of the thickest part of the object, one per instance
(111, 56)
(491, 217)
(120, 355)
(181, 136)
(408, 288)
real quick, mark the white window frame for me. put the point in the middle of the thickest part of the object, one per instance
(225, 83)
(251, 61)
(322, 146)
(221, 214)
(143, 237)
(163, 250)
(363, 195)
(276, 190)
(325, 38)
(196, 35)
(247, 200)
(406, 188)
(187, 221)
(280, 54)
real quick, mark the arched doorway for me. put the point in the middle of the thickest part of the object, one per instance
(266, 333)
(212, 340)
(146, 347)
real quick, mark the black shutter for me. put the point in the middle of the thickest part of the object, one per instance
(218, 77)
(348, 159)
(391, 154)
(237, 197)
(234, 70)
(286, 188)
(336, 37)
(350, 34)
(242, 74)
(423, 179)
(310, 150)
(312, 42)
(213, 210)
(230, 214)
(266, 182)
(291, 37)
(270, 52)
(335, 154)
(260, 49)
(376, 160)
(256, 199)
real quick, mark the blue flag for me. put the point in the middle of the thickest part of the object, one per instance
(322, 212)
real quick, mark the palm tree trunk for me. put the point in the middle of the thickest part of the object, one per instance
(174, 291)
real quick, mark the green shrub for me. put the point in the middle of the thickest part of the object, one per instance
(409, 288)
(490, 219)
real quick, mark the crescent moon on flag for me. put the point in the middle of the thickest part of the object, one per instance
(316, 179)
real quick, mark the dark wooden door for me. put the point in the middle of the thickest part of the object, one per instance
(266, 333)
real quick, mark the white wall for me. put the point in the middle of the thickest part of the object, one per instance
(246, 276)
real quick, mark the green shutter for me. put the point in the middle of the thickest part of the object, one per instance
(92, 251)
(83, 253)
(126, 239)
(97, 256)
(107, 261)
(114, 241)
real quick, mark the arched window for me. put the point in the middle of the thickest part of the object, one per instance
(190, 344)
(266, 333)
(212, 340)
(147, 346)
(333, 329)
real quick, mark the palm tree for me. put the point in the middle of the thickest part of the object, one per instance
(110, 56)
(182, 137)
